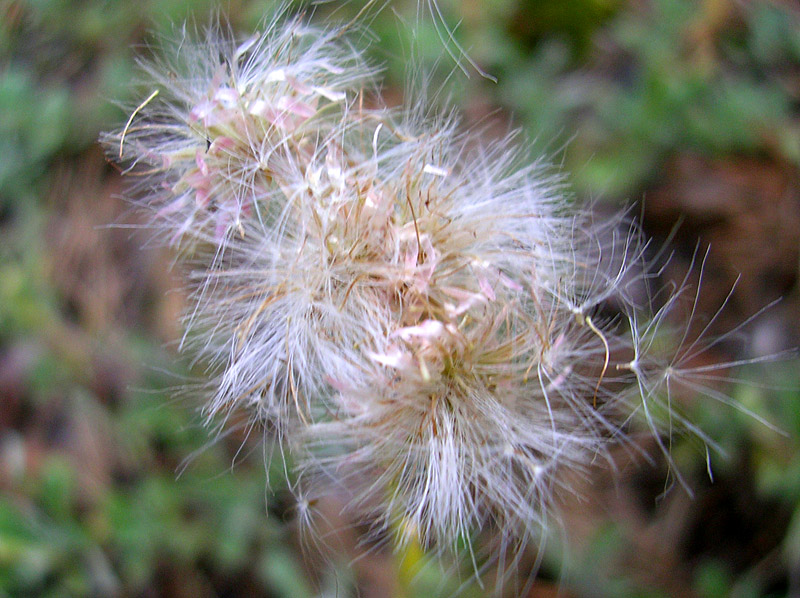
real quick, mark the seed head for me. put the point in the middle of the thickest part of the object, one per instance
(416, 312)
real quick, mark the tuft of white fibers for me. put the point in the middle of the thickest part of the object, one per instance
(415, 312)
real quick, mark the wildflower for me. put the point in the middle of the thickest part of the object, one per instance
(211, 140)
(414, 311)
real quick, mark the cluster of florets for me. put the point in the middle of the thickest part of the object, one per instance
(412, 310)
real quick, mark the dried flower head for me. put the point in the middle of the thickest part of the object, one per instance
(229, 121)
(416, 312)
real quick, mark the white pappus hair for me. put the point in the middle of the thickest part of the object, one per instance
(416, 312)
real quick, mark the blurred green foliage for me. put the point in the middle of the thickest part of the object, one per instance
(663, 79)
(609, 88)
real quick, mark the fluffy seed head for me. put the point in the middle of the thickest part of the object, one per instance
(415, 312)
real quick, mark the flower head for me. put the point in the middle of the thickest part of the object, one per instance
(213, 138)
(415, 311)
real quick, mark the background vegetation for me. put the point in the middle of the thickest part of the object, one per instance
(109, 484)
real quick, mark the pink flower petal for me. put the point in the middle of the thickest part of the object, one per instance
(200, 160)
(395, 358)
(221, 143)
(201, 111)
(299, 87)
(429, 329)
(511, 284)
(486, 288)
(301, 109)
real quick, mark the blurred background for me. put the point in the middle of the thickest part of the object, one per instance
(110, 485)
